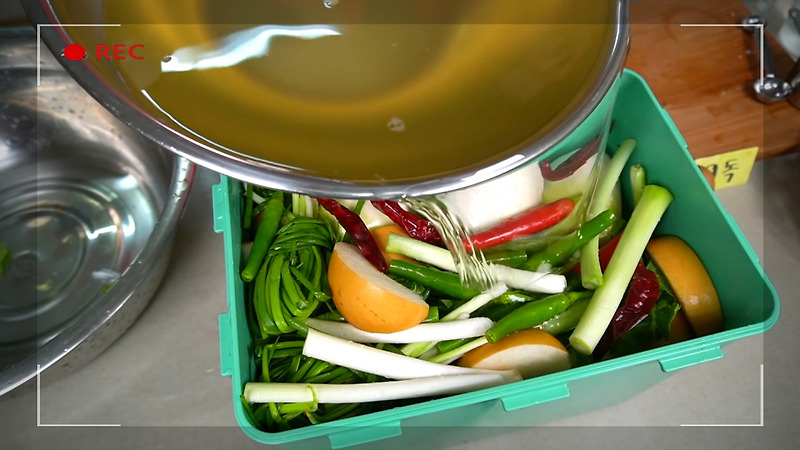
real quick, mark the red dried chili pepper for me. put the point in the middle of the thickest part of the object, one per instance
(356, 228)
(572, 164)
(643, 293)
(416, 227)
(528, 222)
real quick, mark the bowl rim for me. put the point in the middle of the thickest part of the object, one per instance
(141, 270)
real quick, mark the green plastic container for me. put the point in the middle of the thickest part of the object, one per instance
(750, 303)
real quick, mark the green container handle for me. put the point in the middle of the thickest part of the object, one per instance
(362, 435)
(225, 350)
(693, 357)
(534, 396)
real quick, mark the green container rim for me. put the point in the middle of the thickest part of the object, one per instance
(387, 423)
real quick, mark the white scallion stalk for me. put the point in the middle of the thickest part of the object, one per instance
(370, 392)
(418, 349)
(424, 332)
(606, 299)
(546, 283)
(380, 362)
(476, 302)
(421, 251)
(258, 199)
(591, 273)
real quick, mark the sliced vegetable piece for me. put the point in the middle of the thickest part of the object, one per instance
(646, 216)
(424, 332)
(367, 298)
(380, 362)
(690, 283)
(369, 392)
(545, 283)
(459, 313)
(489, 203)
(532, 353)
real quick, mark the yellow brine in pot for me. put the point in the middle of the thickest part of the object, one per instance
(359, 90)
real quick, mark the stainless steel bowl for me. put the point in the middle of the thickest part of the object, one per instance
(88, 209)
(108, 85)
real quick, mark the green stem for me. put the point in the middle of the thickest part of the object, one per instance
(248, 207)
(638, 182)
(646, 216)
(591, 273)
(458, 351)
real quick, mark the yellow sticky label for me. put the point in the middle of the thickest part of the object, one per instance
(731, 168)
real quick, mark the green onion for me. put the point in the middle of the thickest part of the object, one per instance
(646, 215)
(591, 273)
(638, 182)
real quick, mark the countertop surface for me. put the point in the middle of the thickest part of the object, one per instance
(161, 381)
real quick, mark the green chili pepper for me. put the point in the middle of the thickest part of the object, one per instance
(248, 207)
(567, 320)
(510, 258)
(516, 298)
(264, 236)
(446, 346)
(496, 311)
(559, 251)
(433, 315)
(535, 313)
(445, 283)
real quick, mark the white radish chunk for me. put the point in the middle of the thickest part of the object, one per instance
(489, 203)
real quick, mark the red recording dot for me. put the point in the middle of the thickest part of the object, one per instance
(74, 52)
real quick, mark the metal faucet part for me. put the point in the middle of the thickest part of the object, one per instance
(769, 88)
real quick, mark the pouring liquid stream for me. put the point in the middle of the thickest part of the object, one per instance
(471, 265)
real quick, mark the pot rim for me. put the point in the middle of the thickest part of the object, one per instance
(274, 176)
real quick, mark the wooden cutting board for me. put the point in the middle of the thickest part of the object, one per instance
(703, 75)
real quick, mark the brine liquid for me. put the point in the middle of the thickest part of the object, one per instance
(356, 89)
(471, 266)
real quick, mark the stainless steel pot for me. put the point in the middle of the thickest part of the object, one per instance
(109, 87)
(88, 210)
